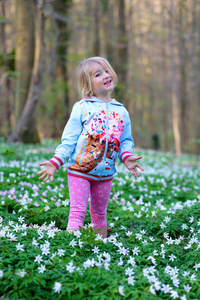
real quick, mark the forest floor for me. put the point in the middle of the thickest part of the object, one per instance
(152, 250)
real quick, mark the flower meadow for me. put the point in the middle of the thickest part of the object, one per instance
(152, 250)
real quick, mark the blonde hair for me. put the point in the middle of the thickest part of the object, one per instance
(83, 74)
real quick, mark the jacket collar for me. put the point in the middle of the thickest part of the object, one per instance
(95, 99)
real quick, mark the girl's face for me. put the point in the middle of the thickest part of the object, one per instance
(102, 82)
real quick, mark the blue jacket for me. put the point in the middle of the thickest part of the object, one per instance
(96, 133)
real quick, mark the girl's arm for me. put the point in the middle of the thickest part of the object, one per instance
(126, 148)
(132, 165)
(70, 137)
(48, 171)
(69, 140)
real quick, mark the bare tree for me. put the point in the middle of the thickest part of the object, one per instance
(97, 44)
(174, 84)
(25, 130)
(5, 79)
(122, 47)
(183, 57)
(24, 53)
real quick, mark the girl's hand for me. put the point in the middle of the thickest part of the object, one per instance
(132, 165)
(48, 171)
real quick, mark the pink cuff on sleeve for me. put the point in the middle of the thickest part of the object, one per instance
(57, 162)
(125, 155)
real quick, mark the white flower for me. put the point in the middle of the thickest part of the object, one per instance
(96, 249)
(176, 281)
(145, 272)
(35, 243)
(184, 226)
(129, 271)
(111, 225)
(21, 273)
(136, 251)
(1, 273)
(129, 233)
(153, 260)
(106, 266)
(121, 290)
(166, 288)
(66, 202)
(183, 297)
(80, 244)
(157, 285)
(123, 250)
(45, 251)
(138, 236)
(196, 266)
(131, 280)
(174, 294)
(152, 270)
(193, 277)
(131, 261)
(74, 254)
(191, 220)
(187, 288)
(57, 287)
(167, 219)
(98, 237)
(169, 241)
(12, 237)
(73, 243)
(166, 235)
(152, 290)
(177, 241)
(89, 263)
(172, 257)
(107, 256)
(20, 247)
(185, 273)
(70, 267)
(155, 252)
(16, 227)
(61, 252)
(120, 263)
(77, 233)
(46, 207)
(38, 259)
(162, 225)
(21, 219)
(41, 269)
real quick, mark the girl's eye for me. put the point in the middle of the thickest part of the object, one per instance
(98, 74)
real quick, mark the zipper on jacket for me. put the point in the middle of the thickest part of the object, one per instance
(106, 146)
(83, 151)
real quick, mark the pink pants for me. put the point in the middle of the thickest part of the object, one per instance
(79, 191)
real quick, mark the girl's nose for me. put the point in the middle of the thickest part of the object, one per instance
(106, 75)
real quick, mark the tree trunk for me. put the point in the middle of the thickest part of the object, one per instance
(24, 53)
(96, 46)
(195, 41)
(122, 47)
(122, 42)
(25, 130)
(62, 48)
(6, 74)
(183, 75)
(174, 85)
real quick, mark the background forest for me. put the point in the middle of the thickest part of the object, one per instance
(154, 46)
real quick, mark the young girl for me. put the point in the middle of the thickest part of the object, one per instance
(98, 130)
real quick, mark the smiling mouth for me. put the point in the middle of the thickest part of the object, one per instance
(108, 82)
